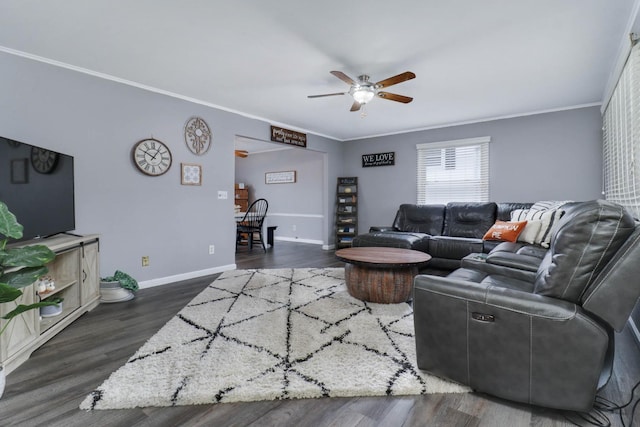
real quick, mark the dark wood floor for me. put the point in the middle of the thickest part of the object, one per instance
(48, 388)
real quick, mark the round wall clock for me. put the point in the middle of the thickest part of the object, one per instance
(197, 135)
(43, 161)
(152, 157)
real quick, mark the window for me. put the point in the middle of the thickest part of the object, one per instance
(453, 171)
(621, 138)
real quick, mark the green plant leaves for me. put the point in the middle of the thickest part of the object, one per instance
(9, 226)
(23, 277)
(8, 293)
(25, 264)
(28, 256)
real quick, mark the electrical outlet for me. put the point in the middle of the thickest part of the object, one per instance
(145, 261)
(212, 249)
(222, 194)
(293, 227)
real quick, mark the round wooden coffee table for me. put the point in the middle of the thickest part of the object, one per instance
(381, 275)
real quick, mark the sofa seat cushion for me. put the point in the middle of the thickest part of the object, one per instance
(491, 280)
(453, 247)
(469, 219)
(394, 239)
(522, 249)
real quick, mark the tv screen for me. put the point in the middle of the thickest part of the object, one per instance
(36, 184)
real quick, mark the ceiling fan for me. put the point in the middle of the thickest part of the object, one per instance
(364, 91)
(241, 153)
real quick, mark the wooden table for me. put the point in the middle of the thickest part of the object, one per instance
(381, 275)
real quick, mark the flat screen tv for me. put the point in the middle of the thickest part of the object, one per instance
(37, 186)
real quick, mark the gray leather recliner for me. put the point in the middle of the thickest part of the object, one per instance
(548, 340)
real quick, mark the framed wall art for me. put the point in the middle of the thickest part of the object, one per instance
(285, 177)
(191, 174)
(197, 136)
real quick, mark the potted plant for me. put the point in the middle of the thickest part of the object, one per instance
(117, 288)
(19, 267)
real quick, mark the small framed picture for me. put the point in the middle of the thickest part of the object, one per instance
(19, 171)
(191, 174)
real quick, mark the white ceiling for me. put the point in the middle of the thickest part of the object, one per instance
(474, 60)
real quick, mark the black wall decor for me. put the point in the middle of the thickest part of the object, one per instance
(379, 159)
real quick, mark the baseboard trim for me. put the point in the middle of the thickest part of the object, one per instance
(184, 276)
(294, 239)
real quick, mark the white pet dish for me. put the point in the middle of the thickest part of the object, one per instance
(51, 310)
(110, 293)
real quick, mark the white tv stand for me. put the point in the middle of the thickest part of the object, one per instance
(76, 273)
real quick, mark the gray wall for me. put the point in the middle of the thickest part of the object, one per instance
(296, 208)
(98, 121)
(538, 157)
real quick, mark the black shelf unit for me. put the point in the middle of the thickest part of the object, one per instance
(346, 211)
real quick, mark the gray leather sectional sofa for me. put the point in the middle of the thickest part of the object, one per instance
(446, 232)
(535, 327)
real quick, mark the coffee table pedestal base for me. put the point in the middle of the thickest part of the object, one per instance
(380, 285)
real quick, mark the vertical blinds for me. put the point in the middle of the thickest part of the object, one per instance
(621, 138)
(453, 171)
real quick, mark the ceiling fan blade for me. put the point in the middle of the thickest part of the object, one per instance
(241, 153)
(327, 94)
(395, 97)
(356, 106)
(342, 76)
(402, 77)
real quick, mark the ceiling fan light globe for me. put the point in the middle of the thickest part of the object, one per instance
(363, 95)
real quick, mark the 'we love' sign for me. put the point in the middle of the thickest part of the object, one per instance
(379, 159)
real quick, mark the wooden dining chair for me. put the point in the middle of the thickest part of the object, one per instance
(252, 223)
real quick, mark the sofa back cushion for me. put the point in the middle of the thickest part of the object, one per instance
(468, 219)
(504, 209)
(613, 295)
(427, 219)
(585, 239)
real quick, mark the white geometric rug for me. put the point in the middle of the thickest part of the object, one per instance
(273, 334)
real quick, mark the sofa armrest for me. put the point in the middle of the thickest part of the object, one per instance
(382, 228)
(517, 261)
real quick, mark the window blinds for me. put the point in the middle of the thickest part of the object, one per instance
(621, 138)
(451, 171)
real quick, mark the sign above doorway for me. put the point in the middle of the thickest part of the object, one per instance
(286, 136)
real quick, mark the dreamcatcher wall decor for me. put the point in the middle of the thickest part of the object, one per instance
(197, 136)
